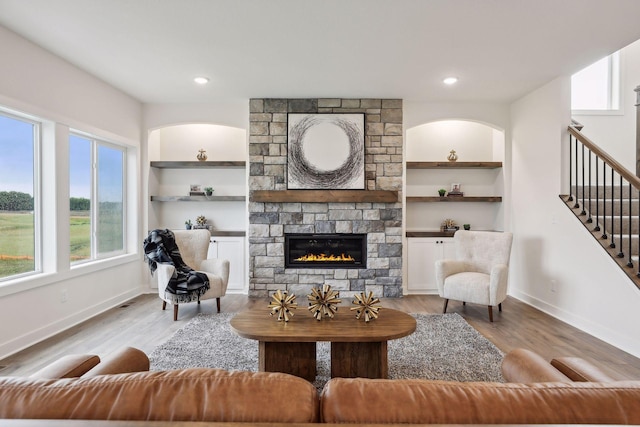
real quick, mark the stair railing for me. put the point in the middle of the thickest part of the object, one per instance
(611, 188)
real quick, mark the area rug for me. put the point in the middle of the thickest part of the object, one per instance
(444, 347)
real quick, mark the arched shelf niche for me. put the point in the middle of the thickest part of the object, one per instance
(480, 151)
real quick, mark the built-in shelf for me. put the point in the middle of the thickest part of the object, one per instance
(324, 196)
(198, 198)
(454, 165)
(433, 199)
(196, 164)
(434, 233)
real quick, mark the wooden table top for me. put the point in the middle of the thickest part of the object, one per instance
(303, 327)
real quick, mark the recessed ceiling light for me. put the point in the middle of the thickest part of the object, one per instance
(201, 80)
(450, 80)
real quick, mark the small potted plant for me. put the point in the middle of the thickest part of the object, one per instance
(208, 191)
(442, 192)
(187, 224)
(466, 226)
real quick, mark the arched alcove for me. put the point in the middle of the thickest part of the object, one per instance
(170, 187)
(477, 172)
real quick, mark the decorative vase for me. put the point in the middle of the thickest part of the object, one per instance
(202, 155)
(452, 156)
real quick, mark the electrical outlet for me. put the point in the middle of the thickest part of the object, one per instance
(553, 285)
(63, 296)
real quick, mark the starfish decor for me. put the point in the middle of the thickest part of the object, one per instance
(281, 304)
(323, 303)
(367, 306)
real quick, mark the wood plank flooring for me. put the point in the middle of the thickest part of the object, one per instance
(142, 324)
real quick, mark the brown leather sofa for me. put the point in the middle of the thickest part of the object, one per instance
(80, 387)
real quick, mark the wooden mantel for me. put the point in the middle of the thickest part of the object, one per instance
(324, 196)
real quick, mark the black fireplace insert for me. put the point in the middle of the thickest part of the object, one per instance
(325, 250)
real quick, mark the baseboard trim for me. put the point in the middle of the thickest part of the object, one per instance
(607, 335)
(33, 337)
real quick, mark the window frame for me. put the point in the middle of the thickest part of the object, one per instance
(37, 193)
(614, 90)
(96, 142)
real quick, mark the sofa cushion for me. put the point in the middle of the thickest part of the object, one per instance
(370, 401)
(181, 395)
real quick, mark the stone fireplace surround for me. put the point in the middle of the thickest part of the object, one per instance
(381, 221)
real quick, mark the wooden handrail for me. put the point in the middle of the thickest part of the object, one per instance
(614, 164)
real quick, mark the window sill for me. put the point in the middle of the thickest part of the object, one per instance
(37, 280)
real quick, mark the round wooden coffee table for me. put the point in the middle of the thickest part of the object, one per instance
(358, 349)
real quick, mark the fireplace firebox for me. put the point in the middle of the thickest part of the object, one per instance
(325, 250)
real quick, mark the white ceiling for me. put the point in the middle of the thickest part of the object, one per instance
(499, 49)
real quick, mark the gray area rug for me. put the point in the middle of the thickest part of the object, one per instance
(444, 347)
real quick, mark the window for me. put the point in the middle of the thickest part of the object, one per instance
(97, 197)
(597, 87)
(19, 145)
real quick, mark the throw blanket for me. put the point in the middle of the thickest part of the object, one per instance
(186, 284)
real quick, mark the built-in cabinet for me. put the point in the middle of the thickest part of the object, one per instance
(233, 249)
(422, 253)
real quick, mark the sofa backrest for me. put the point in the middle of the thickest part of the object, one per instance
(369, 401)
(180, 395)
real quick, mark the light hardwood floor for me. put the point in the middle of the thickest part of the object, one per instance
(142, 324)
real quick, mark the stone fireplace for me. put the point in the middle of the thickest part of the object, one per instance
(337, 213)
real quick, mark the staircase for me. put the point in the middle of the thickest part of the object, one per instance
(605, 197)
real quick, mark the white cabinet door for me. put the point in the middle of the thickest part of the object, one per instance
(231, 248)
(422, 253)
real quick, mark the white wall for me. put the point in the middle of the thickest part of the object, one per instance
(616, 134)
(550, 245)
(36, 82)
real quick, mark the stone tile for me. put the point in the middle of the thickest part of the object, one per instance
(275, 160)
(301, 291)
(338, 285)
(275, 105)
(268, 261)
(376, 238)
(392, 103)
(260, 117)
(344, 227)
(302, 105)
(277, 128)
(290, 207)
(392, 129)
(258, 230)
(315, 207)
(313, 279)
(393, 169)
(389, 183)
(345, 214)
(256, 105)
(340, 274)
(287, 218)
(350, 103)
(259, 128)
(370, 103)
(298, 228)
(263, 273)
(276, 230)
(263, 218)
(391, 115)
(261, 182)
(375, 129)
(325, 227)
(259, 149)
(283, 279)
(279, 117)
(378, 290)
(256, 169)
(274, 170)
(392, 141)
(357, 285)
(329, 102)
(390, 250)
(371, 214)
(257, 249)
(275, 249)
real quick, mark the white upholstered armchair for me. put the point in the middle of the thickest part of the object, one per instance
(480, 271)
(193, 246)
